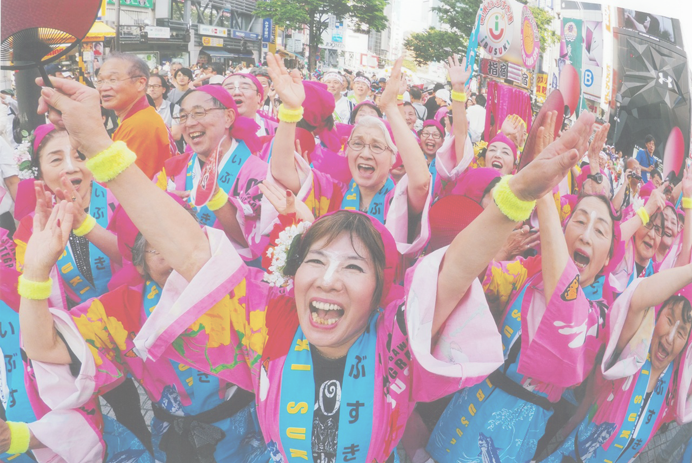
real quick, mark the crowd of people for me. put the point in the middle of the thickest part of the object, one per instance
(249, 248)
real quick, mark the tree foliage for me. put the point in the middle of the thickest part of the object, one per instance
(435, 44)
(365, 15)
(544, 21)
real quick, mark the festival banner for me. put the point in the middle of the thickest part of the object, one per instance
(572, 33)
(530, 39)
(472, 48)
(541, 87)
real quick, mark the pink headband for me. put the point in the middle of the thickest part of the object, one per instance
(40, 133)
(318, 106)
(474, 182)
(254, 80)
(502, 138)
(434, 123)
(243, 128)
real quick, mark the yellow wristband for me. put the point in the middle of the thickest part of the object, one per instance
(641, 212)
(290, 115)
(86, 226)
(459, 96)
(20, 437)
(512, 207)
(400, 97)
(34, 290)
(686, 203)
(111, 162)
(217, 202)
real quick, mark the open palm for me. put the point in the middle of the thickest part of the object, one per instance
(288, 86)
(458, 74)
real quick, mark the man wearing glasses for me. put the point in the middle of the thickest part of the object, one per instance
(247, 92)
(122, 83)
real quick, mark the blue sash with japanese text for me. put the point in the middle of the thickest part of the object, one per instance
(351, 201)
(432, 168)
(99, 262)
(199, 385)
(227, 177)
(639, 421)
(357, 399)
(12, 388)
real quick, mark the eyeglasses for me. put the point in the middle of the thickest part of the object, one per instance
(243, 88)
(357, 145)
(154, 86)
(197, 115)
(152, 251)
(112, 81)
(657, 228)
(598, 178)
(433, 135)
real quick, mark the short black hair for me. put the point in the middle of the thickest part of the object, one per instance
(415, 93)
(480, 100)
(656, 173)
(649, 138)
(217, 68)
(185, 71)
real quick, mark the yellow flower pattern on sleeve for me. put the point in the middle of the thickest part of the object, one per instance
(504, 279)
(102, 333)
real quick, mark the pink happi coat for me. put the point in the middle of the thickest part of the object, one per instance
(227, 299)
(322, 194)
(561, 337)
(448, 171)
(244, 195)
(615, 379)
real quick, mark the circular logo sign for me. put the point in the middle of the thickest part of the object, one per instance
(495, 34)
(570, 32)
(530, 39)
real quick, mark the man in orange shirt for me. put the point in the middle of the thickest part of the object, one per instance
(122, 83)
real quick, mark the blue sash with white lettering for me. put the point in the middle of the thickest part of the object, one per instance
(432, 168)
(351, 201)
(100, 263)
(197, 384)
(12, 389)
(226, 179)
(639, 421)
(357, 399)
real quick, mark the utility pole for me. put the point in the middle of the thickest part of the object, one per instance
(117, 25)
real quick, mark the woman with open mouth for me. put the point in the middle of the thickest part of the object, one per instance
(344, 335)
(550, 336)
(644, 379)
(370, 152)
(215, 131)
(641, 235)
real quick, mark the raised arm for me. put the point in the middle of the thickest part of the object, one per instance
(473, 248)
(458, 74)
(652, 291)
(47, 243)
(166, 225)
(290, 89)
(409, 149)
(655, 203)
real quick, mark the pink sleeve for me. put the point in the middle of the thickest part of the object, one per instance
(560, 339)
(633, 356)
(468, 347)
(248, 207)
(447, 167)
(398, 220)
(70, 436)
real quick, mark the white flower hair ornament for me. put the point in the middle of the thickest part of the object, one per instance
(284, 253)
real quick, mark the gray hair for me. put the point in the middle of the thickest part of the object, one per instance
(376, 122)
(138, 67)
(138, 250)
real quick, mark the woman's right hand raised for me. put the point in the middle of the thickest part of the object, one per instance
(552, 164)
(289, 86)
(52, 227)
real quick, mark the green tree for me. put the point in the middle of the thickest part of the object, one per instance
(435, 44)
(544, 21)
(366, 15)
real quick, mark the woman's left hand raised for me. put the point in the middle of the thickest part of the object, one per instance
(52, 227)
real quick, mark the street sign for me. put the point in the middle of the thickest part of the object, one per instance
(236, 34)
(155, 32)
(267, 29)
(212, 42)
(211, 30)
